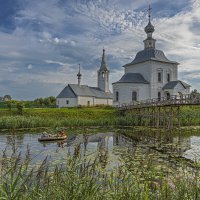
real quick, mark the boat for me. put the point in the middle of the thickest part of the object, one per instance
(49, 137)
(52, 138)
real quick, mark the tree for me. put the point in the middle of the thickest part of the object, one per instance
(10, 104)
(7, 97)
(194, 91)
(20, 106)
(48, 101)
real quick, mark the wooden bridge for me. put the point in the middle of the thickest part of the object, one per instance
(163, 112)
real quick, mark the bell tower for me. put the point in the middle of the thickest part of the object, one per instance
(103, 75)
(149, 29)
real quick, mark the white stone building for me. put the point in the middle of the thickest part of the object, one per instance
(83, 95)
(150, 75)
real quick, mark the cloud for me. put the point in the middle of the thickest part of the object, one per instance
(48, 39)
(29, 66)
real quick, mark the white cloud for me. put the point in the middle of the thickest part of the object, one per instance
(29, 66)
(63, 37)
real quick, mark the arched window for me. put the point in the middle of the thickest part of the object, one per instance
(134, 96)
(117, 96)
(168, 95)
(103, 74)
(159, 77)
(168, 77)
(159, 96)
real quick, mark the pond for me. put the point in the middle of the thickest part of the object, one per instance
(109, 148)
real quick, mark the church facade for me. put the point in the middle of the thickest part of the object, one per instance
(150, 75)
(74, 95)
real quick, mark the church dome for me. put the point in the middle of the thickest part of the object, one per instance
(150, 54)
(149, 28)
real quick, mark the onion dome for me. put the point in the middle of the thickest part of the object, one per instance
(149, 28)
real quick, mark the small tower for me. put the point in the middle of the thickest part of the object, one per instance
(149, 29)
(103, 75)
(79, 76)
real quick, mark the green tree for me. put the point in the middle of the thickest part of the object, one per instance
(10, 104)
(7, 97)
(20, 106)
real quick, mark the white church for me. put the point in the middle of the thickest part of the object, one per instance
(150, 75)
(74, 95)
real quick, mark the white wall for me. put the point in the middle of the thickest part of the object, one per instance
(164, 68)
(143, 68)
(83, 101)
(103, 80)
(99, 101)
(125, 92)
(178, 88)
(62, 102)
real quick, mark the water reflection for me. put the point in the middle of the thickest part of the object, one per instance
(108, 148)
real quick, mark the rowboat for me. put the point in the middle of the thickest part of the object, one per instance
(51, 138)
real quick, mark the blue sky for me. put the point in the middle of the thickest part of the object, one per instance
(42, 42)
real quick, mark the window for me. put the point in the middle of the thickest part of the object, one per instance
(67, 101)
(57, 101)
(168, 95)
(159, 77)
(134, 96)
(159, 96)
(168, 77)
(103, 75)
(117, 96)
(88, 103)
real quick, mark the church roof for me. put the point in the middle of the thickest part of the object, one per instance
(103, 66)
(101, 94)
(132, 78)
(172, 85)
(150, 54)
(82, 90)
(67, 92)
(74, 90)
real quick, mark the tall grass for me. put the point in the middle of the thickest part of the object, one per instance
(83, 179)
(98, 116)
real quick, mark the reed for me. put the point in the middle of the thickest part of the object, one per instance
(97, 116)
(86, 179)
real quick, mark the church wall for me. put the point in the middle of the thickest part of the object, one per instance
(143, 68)
(179, 88)
(125, 92)
(66, 102)
(98, 101)
(86, 101)
(164, 69)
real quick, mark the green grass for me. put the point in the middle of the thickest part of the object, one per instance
(70, 117)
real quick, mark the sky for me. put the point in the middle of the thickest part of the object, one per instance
(43, 42)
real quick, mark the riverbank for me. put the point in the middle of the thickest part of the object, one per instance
(80, 117)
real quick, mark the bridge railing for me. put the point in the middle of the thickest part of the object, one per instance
(186, 99)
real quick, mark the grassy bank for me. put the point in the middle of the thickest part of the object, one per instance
(53, 117)
(97, 116)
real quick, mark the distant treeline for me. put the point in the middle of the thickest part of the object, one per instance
(42, 102)
(37, 103)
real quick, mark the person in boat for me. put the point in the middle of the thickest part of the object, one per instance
(61, 134)
(45, 134)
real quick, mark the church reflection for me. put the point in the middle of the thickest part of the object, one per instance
(103, 144)
(103, 147)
